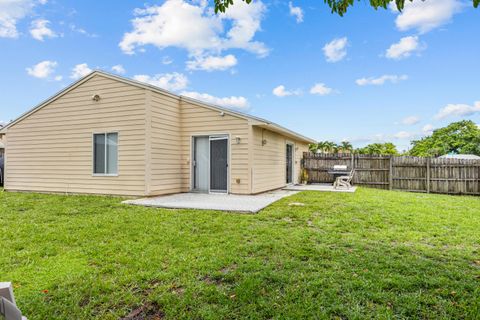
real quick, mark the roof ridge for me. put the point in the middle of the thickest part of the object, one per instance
(151, 87)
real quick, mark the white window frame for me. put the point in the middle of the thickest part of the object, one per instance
(93, 155)
(209, 135)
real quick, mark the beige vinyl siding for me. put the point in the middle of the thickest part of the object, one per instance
(269, 160)
(268, 167)
(51, 149)
(166, 153)
(199, 120)
(300, 148)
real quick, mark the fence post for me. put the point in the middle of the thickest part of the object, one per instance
(428, 175)
(390, 174)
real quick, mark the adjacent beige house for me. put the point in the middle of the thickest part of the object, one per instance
(106, 134)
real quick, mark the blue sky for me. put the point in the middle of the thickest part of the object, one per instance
(369, 76)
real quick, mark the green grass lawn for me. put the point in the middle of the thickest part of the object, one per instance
(371, 254)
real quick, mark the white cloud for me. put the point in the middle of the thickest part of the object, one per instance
(39, 30)
(321, 89)
(169, 81)
(411, 120)
(381, 80)
(80, 70)
(212, 63)
(427, 129)
(246, 22)
(281, 92)
(11, 11)
(403, 135)
(82, 31)
(459, 110)
(379, 137)
(426, 15)
(118, 69)
(43, 70)
(336, 49)
(229, 102)
(167, 60)
(194, 27)
(296, 12)
(404, 48)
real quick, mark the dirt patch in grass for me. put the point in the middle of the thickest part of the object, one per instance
(148, 311)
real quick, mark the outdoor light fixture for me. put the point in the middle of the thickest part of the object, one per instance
(96, 97)
(264, 142)
(237, 139)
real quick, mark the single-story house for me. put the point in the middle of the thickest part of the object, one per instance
(106, 134)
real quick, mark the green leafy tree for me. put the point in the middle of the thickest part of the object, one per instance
(461, 137)
(321, 146)
(313, 147)
(316, 147)
(337, 6)
(325, 147)
(330, 146)
(346, 146)
(386, 148)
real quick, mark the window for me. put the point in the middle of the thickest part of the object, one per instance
(105, 153)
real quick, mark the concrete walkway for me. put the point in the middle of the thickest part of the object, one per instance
(222, 202)
(318, 187)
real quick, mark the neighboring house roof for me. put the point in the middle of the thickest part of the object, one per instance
(460, 156)
(256, 120)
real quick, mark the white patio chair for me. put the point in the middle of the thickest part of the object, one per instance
(344, 181)
(8, 307)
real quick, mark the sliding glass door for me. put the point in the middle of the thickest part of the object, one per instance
(201, 163)
(289, 162)
(218, 164)
(210, 164)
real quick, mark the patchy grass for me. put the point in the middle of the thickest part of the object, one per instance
(372, 254)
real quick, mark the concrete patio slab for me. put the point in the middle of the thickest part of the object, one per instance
(222, 202)
(319, 187)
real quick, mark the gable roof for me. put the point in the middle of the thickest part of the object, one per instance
(256, 121)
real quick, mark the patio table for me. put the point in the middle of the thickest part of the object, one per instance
(338, 173)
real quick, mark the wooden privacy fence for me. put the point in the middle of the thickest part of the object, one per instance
(431, 175)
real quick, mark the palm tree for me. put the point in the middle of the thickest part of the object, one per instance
(321, 147)
(346, 147)
(330, 146)
(313, 147)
